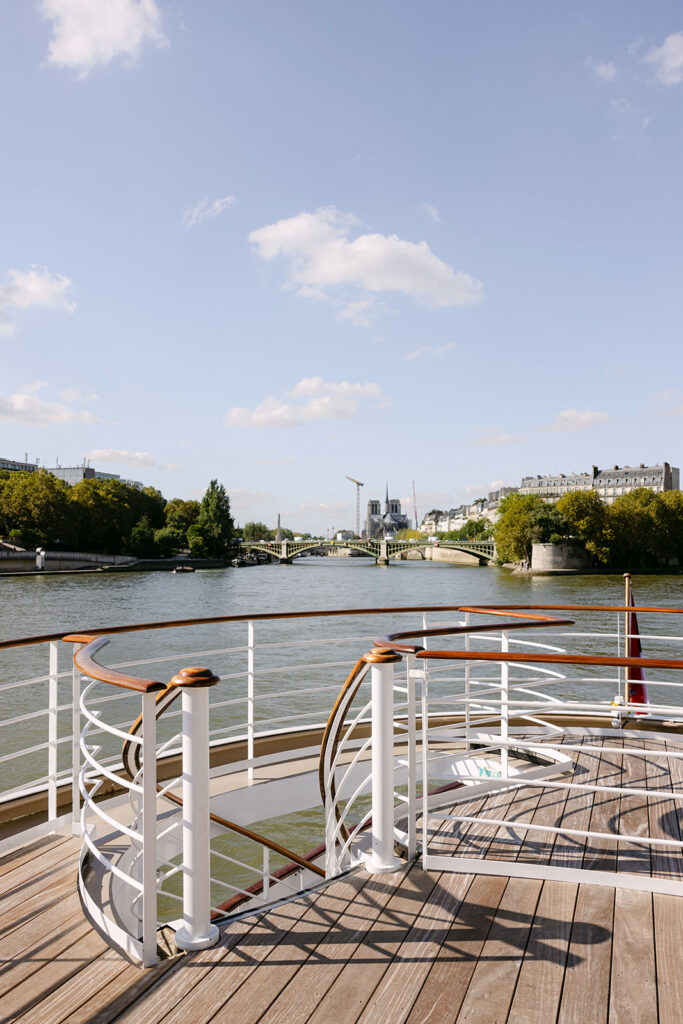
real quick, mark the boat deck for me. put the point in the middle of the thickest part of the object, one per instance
(412, 946)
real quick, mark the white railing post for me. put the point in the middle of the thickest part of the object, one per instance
(250, 700)
(149, 830)
(381, 858)
(425, 767)
(266, 874)
(504, 708)
(412, 757)
(467, 685)
(197, 931)
(75, 746)
(53, 704)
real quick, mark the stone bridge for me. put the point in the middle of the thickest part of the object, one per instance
(381, 550)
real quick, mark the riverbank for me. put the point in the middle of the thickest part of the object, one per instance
(141, 565)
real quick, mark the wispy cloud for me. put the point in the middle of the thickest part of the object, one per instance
(27, 410)
(358, 312)
(495, 436)
(33, 388)
(205, 209)
(323, 255)
(71, 395)
(26, 289)
(606, 71)
(431, 350)
(431, 211)
(667, 60)
(570, 421)
(325, 400)
(92, 33)
(120, 455)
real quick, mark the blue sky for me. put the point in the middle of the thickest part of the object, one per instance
(279, 243)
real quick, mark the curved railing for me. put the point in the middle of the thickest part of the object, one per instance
(460, 710)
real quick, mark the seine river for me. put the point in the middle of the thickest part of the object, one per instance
(43, 604)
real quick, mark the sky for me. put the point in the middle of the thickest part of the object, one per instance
(279, 243)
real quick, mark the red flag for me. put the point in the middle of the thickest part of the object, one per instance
(636, 687)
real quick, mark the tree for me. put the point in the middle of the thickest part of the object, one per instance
(215, 520)
(141, 541)
(181, 515)
(38, 506)
(667, 520)
(524, 519)
(587, 518)
(256, 531)
(633, 526)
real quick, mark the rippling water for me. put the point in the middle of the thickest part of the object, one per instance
(35, 605)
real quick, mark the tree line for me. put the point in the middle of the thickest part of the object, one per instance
(640, 530)
(112, 517)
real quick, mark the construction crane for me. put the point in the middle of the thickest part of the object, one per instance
(415, 506)
(358, 487)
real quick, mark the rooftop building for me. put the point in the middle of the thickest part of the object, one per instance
(609, 484)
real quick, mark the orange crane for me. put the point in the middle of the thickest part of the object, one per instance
(358, 487)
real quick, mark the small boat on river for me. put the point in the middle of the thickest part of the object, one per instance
(443, 813)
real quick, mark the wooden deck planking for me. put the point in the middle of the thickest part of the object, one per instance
(633, 817)
(585, 993)
(633, 986)
(408, 947)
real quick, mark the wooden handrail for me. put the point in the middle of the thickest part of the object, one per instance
(326, 613)
(393, 641)
(85, 661)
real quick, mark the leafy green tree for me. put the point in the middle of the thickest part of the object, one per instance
(167, 541)
(256, 531)
(196, 538)
(141, 542)
(409, 535)
(181, 515)
(473, 529)
(107, 511)
(587, 518)
(38, 506)
(215, 519)
(523, 519)
(667, 521)
(632, 524)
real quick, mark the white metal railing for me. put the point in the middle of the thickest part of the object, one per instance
(411, 725)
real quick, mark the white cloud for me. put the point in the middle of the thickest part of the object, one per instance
(431, 211)
(569, 421)
(606, 71)
(483, 489)
(317, 386)
(30, 288)
(28, 410)
(332, 508)
(667, 60)
(170, 465)
(620, 107)
(326, 400)
(495, 436)
(323, 256)
(204, 210)
(357, 312)
(91, 33)
(118, 455)
(32, 389)
(431, 350)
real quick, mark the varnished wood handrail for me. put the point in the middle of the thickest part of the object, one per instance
(137, 627)
(85, 661)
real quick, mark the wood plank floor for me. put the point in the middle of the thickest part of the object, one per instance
(412, 946)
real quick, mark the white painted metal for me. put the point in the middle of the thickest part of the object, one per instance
(381, 858)
(149, 830)
(75, 746)
(197, 931)
(52, 732)
(250, 699)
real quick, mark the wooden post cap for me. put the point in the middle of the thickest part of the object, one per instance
(381, 655)
(194, 676)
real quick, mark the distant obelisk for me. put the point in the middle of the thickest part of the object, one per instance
(278, 534)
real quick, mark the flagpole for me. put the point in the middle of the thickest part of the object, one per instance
(627, 642)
